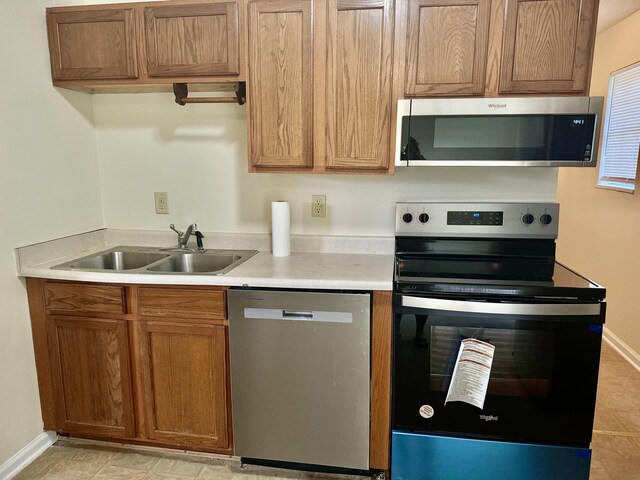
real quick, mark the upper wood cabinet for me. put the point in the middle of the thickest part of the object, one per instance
(148, 46)
(91, 378)
(359, 48)
(447, 47)
(280, 78)
(320, 85)
(547, 46)
(493, 47)
(191, 40)
(95, 44)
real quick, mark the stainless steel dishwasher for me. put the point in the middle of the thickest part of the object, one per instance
(300, 370)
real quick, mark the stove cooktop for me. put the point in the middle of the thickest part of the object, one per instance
(475, 250)
(562, 283)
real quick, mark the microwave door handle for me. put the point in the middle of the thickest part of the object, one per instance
(543, 309)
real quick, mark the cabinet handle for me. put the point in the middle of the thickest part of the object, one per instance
(297, 315)
(543, 309)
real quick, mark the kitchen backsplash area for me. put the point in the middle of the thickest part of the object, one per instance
(197, 153)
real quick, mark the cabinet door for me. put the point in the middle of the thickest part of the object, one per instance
(547, 46)
(184, 370)
(91, 376)
(280, 97)
(358, 83)
(447, 47)
(192, 40)
(92, 44)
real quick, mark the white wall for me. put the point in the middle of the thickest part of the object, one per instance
(198, 154)
(49, 188)
(600, 229)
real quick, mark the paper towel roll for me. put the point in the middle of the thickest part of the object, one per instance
(280, 229)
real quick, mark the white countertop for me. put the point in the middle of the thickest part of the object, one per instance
(309, 270)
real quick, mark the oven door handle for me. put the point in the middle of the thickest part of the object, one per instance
(504, 308)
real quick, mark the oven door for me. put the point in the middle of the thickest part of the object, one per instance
(543, 379)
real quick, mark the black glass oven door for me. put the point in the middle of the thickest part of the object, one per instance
(543, 377)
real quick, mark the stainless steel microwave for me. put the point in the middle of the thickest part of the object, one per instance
(536, 131)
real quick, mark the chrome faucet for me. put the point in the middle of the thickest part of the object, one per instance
(183, 237)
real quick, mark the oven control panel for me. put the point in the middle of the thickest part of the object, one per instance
(499, 220)
(472, 217)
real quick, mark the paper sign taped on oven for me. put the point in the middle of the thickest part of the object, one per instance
(470, 378)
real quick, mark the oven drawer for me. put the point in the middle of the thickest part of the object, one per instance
(415, 457)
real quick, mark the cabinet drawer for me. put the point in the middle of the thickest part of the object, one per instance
(73, 297)
(188, 303)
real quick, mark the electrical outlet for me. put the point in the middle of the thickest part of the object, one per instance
(162, 202)
(318, 206)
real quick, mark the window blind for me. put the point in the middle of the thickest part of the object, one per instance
(619, 159)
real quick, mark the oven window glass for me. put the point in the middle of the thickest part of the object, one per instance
(497, 137)
(522, 363)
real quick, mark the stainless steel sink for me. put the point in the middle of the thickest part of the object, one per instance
(118, 260)
(156, 261)
(195, 263)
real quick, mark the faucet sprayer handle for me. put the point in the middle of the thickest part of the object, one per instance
(199, 237)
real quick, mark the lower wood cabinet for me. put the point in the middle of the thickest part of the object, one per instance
(185, 383)
(149, 364)
(91, 375)
(141, 364)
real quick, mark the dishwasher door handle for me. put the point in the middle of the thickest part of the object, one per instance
(298, 315)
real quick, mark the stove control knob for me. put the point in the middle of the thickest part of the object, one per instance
(528, 219)
(407, 218)
(545, 219)
(423, 217)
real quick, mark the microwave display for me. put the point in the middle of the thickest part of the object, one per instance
(541, 137)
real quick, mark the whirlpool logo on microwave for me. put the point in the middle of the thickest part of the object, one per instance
(498, 105)
(489, 418)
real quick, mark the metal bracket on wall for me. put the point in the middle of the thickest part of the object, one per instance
(181, 91)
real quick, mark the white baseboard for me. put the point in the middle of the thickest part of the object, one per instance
(28, 454)
(622, 348)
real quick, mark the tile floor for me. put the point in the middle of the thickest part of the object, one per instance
(616, 446)
(616, 432)
(80, 460)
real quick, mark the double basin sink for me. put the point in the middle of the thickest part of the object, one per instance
(160, 261)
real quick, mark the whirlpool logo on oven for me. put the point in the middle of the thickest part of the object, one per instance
(489, 418)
